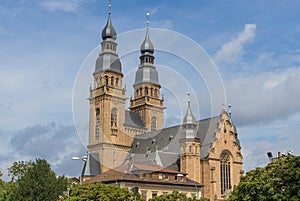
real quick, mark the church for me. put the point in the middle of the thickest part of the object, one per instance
(131, 148)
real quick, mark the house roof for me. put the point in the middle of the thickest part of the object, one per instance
(125, 172)
(133, 119)
(92, 165)
(155, 151)
(163, 145)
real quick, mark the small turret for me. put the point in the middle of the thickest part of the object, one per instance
(189, 122)
(190, 146)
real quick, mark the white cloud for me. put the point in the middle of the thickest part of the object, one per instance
(266, 97)
(60, 5)
(153, 10)
(275, 137)
(232, 51)
(38, 141)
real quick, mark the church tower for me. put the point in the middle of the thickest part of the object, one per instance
(107, 103)
(147, 101)
(190, 147)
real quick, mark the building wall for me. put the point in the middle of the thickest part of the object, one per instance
(190, 158)
(149, 189)
(114, 139)
(226, 142)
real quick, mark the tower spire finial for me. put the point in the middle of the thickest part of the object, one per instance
(109, 7)
(147, 19)
(229, 111)
(189, 97)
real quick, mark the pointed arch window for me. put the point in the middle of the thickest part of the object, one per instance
(117, 82)
(97, 124)
(114, 117)
(225, 172)
(141, 91)
(153, 124)
(112, 81)
(146, 90)
(106, 80)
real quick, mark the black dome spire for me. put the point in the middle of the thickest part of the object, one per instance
(147, 45)
(109, 31)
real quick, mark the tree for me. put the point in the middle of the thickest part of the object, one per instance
(279, 180)
(1, 182)
(18, 169)
(176, 196)
(99, 191)
(33, 181)
(6, 192)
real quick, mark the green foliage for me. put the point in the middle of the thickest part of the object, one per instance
(6, 193)
(1, 181)
(18, 169)
(176, 196)
(279, 180)
(33, 181)
(99, 191)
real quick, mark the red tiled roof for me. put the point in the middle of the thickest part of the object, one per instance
(123, 173)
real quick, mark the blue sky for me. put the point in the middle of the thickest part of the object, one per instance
(255, 45)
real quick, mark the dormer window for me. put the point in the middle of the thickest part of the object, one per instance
(167, 176)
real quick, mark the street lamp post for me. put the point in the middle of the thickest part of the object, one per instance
(84, 160)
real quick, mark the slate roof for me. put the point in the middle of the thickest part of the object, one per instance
(147, 45)
(108, 61)
(160, 147)
(163, 145)
(133, 119)
(109, 31)
(92, 165)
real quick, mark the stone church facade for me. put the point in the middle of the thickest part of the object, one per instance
(198, 154)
